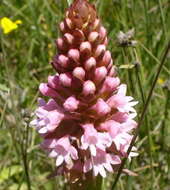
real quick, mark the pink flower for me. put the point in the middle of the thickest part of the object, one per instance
(93, 139)
(121, 101)
(101, 162)
(63, 151)
(88, 121)
(49, 116)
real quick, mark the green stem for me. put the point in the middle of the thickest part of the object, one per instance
(162, 18)
(129, 72)
(146, 120)
(147, 20)
(89, 184)
(167, 104)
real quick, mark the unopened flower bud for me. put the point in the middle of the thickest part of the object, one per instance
(101, 107)
(100, 74)
(65, 79)
(69, 23)
(68, 38)
(102, 32)
(89, 88)
(90, 63)
(100, 50)
(71, 104)
(93, 36)
(110, 84)
(79, 73)
(74, 55)
(47, 91)
(63, 61)
(85, 48)
(62, 27)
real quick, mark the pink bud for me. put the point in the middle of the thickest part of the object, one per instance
(100, 50)
(47, 91)
(60, 44)
(79, 73)
(100, 74)
(112, 72)
(101, 107)
(65, 79)
(105, 41)
(93, 36)
(71, 104)
(62, 27)
(87, 126)
(89, 88)
(63, 61)
(74, 55)
(91, 62)
(78, 36)
(68, 38)
(110, 84)
(85, 48)
(69, 23)
(56, 66)
(53, 81)
(110, 65)
(102, 32)
(106, 58)
(96, 24)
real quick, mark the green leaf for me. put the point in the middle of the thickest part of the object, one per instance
(9, 172)
(16, 186)
(4, 88)
(128, 66)
(69, 2)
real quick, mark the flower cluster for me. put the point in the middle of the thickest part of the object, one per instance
(88, 120)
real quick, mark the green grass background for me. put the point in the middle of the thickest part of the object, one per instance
(24, 57)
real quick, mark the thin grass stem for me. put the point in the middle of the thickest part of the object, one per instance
(146, 119)
(162, 18)
(167, 104)
(144, 111)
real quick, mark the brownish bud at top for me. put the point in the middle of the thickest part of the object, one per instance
(82, 13)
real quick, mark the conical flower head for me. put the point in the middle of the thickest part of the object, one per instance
(87, 122)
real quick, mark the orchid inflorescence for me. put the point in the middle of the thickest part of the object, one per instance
(87, 123)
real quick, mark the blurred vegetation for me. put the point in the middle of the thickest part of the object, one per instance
(24, 57)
